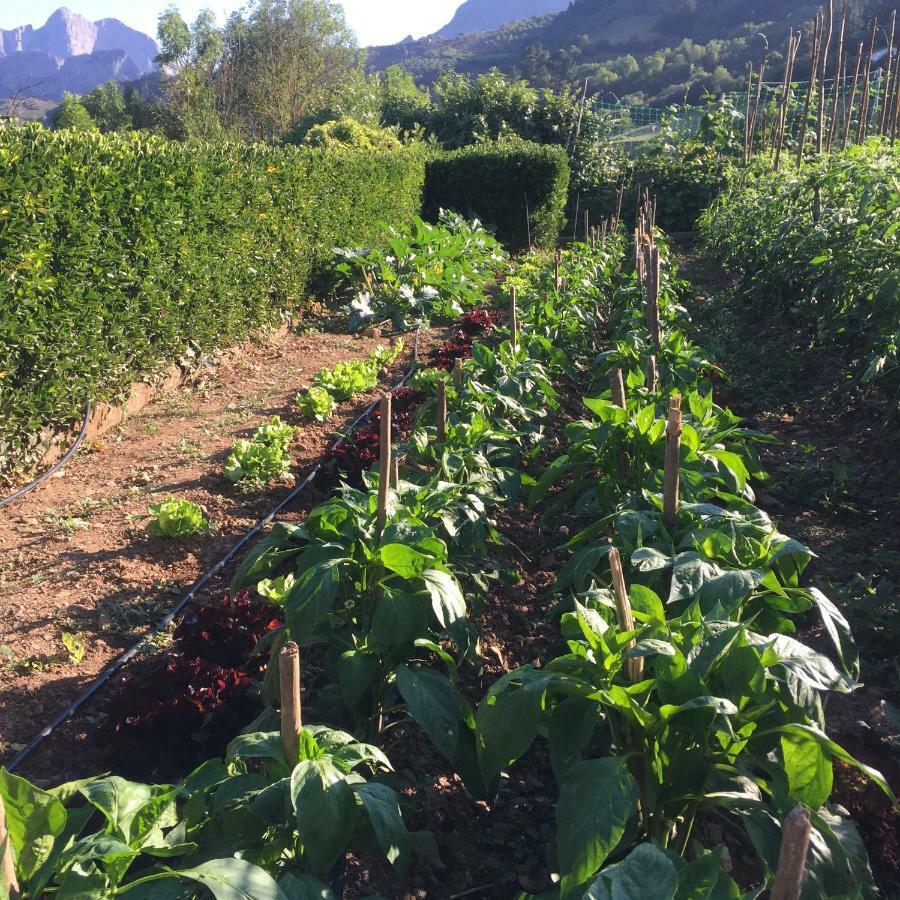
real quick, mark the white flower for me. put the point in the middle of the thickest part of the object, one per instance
(406, 292)
(362, 305)
(429, 293)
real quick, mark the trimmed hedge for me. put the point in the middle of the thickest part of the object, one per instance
(494, 181)
(120, 253)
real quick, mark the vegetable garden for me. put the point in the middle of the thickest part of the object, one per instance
(660, 727)
(676, 714)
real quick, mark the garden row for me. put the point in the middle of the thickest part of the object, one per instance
(678, 700)
(822, 241)
(121, 255)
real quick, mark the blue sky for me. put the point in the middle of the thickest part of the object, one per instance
(375, 21)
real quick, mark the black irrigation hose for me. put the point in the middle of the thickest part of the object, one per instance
(57, 466)
(106, 676)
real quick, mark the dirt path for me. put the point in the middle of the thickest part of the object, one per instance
(834, 485)
(74, 556)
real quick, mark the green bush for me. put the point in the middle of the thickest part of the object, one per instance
(348, 132)
(120, 253)
(497, 182)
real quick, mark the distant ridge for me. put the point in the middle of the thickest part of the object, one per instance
(71, 53)
(476, 16)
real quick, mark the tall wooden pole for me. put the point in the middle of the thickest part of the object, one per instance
(617, 381)
(513, 318)
(653, 288)
(849, 122)
(624, 613)
(291, 714)
(384, 466)
(441, 411)
(891, 71)
(820, 119)
(672, 472)
(863, 126)
(839, 65)
(810, 85)
(791, 873)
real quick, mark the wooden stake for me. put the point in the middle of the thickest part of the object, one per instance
(820, 119)
(291, 715)
(441, 411)
(514, 318)
(587, 225)
(458, 374)
(793, 47)
(849, 121)
(810, 85)
(384, 468)
(652, 376)
(673, 464)
(839, 65)
(556, 267)
(747, 113)
(617, 381)
(863, 124)
(891, 70)
(792, 859)
(395, 473)
(653, 280)
(623, 610)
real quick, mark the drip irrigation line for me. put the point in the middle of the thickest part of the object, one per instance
(28, 488)
(106, 676)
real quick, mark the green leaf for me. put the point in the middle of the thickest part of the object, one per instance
(33, 819)
(326, 812)
(809, 771)
(447, 599)
(508, 719)
(403, 560)
(226, 879)
(304, 887)
(433, 704)
(646, 870)
(311, 598)
(597, 797)
(704, 879)
(383, 810)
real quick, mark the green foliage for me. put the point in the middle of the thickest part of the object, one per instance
(316, 404)
(349, 132)
(358, 376)
(508, 185)
(271, 64)
(107, 106)
(824, 242)
(112, 280)
(420, 271)
(105, 836)
(173, 519)
(72, 115)
(263, 458)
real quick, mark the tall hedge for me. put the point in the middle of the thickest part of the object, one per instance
(119, 253)
(498, 183)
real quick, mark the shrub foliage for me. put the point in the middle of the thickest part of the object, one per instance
(498, 182)
(119, 254)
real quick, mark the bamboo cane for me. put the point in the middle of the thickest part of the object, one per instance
(791, 873)
(849, 120)
(890, 69)
(441, 411)
(291, 712)
(863, 126)
(653, 286)
(513, 318)
(652, 376)
(624, 613)
(384, 468)
(837, 76)
(794, 46)
(820, 120)
(673, 463)
(458, 374)
(617, 381)
(810, 85)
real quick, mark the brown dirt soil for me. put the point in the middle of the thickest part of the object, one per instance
(74, 555)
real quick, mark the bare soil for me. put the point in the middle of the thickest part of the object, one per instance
(75, 559)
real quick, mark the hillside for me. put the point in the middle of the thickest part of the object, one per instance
(478, 16)
(71, 53)
(643, 50)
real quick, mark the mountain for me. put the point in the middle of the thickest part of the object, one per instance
(71, 53)
(641, 51)
(476, 16)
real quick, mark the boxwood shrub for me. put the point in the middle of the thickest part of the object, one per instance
(497, 182)
(120, 253)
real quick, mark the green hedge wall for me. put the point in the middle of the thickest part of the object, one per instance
(494, 181)
(118, 253)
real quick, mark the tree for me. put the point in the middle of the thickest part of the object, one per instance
(282, 60)
(71, 114)
(106, 106)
